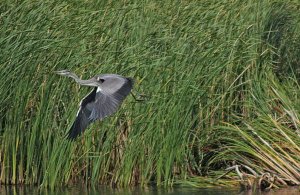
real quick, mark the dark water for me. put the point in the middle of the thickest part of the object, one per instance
(17, 190)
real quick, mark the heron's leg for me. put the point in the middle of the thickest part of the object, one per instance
(82, 140)
(139, 98)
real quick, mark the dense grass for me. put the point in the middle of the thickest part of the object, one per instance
(222, 80)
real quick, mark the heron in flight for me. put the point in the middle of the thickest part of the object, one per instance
(108, 94)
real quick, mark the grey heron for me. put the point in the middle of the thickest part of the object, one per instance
(107, 95)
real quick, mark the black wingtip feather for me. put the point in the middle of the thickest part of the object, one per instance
(75, 130)
(81, 121)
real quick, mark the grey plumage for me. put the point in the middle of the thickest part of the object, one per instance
(108, 94)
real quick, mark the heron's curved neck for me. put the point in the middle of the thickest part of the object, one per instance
(88, 82)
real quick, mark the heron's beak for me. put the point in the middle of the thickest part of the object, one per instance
(62, 72)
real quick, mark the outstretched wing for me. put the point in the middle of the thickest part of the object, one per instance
(99, 104)
(82, 118)
(108, 101)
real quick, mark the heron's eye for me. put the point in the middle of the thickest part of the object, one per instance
(100, 80)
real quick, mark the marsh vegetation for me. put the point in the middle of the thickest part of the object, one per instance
(221, 80)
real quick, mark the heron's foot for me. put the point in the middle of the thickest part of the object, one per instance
(139, 97)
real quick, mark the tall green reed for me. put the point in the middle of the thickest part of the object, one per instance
(203, 65)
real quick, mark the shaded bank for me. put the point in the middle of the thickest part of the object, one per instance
(145, 190)
(221, 77)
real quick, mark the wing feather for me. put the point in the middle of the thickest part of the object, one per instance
(107, 103)
(82, 119)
